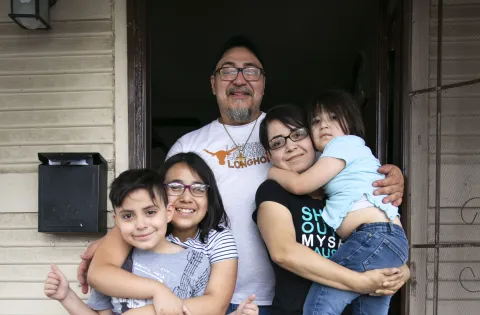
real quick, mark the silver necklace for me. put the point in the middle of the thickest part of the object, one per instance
(241, 155)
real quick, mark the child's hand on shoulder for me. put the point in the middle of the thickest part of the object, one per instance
(56, 285)
(247, 307)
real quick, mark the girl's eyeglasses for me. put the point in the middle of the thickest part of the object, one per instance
(177, 189)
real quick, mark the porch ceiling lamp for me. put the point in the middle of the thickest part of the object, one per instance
(31, 14)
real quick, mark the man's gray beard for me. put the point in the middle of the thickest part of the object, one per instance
(240, 115)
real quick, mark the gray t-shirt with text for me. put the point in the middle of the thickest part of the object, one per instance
(186, 273)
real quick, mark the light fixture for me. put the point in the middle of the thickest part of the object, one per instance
(31, 14)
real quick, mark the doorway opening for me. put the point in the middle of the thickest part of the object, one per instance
(329, 45)
(322, 45)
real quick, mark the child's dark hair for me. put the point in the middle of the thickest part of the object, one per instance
(290, 115)
(216, 218)
(135, 179)
(342, 105)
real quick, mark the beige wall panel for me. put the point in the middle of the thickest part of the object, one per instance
(459, 254)
(56, 47)
(78, 135)
(455, 51)
(64, 64)
(460, 106)
(34, 290)
(449, 307)
(41, 255)
(56, 118)
(57, 100)
(30, 238)
(34, 273)
(458, 126)
(28, 154)
(32, 307)
(457, 31)
(456, 70)
(468, 91)
(459, 183)
(60, 29)
(456, 233)
(456, 145)
(70, 10)
(29, 220)
(20, 192)
(82, 10)
(453, 215)
(12, 221)
(59, 82)
(453, 2)
(463, 13)
(454, 290)
(451, 271)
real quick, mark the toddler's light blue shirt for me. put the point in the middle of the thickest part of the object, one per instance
(354, 181)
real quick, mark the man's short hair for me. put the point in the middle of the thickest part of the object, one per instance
(238, 41)
(134, 179)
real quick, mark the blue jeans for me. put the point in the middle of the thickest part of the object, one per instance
(371, 246)
(262, 310)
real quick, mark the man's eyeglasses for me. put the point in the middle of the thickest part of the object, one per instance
(177, 189)
(231, 73)
(280, 141)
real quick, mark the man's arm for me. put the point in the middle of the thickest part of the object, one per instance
(276, 226)
(392, 185)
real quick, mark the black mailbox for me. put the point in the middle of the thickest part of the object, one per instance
(72, 193)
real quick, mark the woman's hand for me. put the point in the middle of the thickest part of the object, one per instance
(380, 279)
(392, 185)
(391, 287)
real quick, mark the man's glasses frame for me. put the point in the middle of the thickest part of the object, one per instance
(254, 76)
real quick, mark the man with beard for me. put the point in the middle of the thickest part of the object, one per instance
(231, 147)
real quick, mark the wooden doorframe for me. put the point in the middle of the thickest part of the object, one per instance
(139, 107)
(395, 35)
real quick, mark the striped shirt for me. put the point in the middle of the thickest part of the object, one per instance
(218, 246)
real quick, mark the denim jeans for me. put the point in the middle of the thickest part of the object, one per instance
(262, 309)
(370, 246)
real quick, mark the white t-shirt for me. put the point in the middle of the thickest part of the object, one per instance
(238, 182)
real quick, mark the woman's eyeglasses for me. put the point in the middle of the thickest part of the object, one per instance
(177, 189)
(279, 141)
